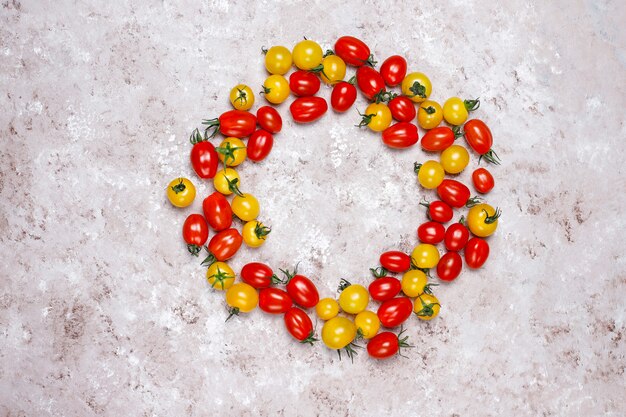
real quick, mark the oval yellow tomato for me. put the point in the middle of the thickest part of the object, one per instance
(353, 298)
(334, 69)
(429, 115)
(278, 60)
(454, 159)
(181, 192)
(254, 233)
(338, 332)
(241, 97)
(241, 297)
(425, 256)
(426, 307)
(307, 54)
(245, 206)
(413, 282)
(220, 276)
(482, 220)
(377, 117)
(226, 181)
(276, 89)
(454, 111)
(416, 86)
(367, 324)
(232, 151)
(430, 174)
(327, 308)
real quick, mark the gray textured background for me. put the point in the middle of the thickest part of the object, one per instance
(103, 313)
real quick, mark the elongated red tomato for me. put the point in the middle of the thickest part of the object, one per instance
(274, 300)
(259, 146)
(476, 252)
(438, 139)
(453, 193)
(195, 233)
(353, 51)
(402, 109)
(438, 211)
(385, 288)
(224, 245)
(217, 211)
(269, 119)
(258, 275)
(483, 180)
(393, 70)
(395, 261)
(456, 237)
(370, 81)
(449, 266)
(400, 135)
(386, 344)
(299, 325)
(343, 96)
(431, 232)
(394, 312)
(308, 109)
(304, 83)
(479, 137)
(302, 291)
(235, 123)
(204, 158)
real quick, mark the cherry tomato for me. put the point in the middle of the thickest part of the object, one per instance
(438, 139)
(414, 283)
(395, 261)
(181, 192)
(482, 220)
(204, 158)
(386, 344)
(438, 211)
(195, 233)
(455, 110)
(401, 135)
(457, 236)
(429, 114)
(453, 193)
(258, 275)
(241, 297)
(327, 308)
(226, 181)
(255, 233)
(223, 245)
(483, 180)
(260, 145)
(304, 83)
(377, 117)
(307, 54)
(384, 288)
(269, 119)
(338, 332)
(220, 276)
(235, 123)
(231, 152)
(429, 174)
(299, 325)
(278, 60)
(425, 256)
(476, 252)
(353, 298)
(353, 51)
(426, 307)
(367, 324)
(393, 70)
(333, 69)
(343, 96)
(301, 290)
(454, 159)
(245, 206)
(217, 211)
(416, 86)
(308, 109)
(394, 312)
(241, 97)
(431, 232)
(274, 300)
(479, 138)
(449, 266)
(275, 89)
(370, 81)
(402, 109)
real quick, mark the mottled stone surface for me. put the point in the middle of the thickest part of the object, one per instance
(103, 313)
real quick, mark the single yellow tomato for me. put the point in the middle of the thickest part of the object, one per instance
(307, 54)
(454, 159)
(241, 97)
(327, 308)
(425, 256)
(245, 206)
(278, 60)
(482, 220)
(338, 332)
(334, 69)
(430, 174)
(429, 115)
(181, 192)
(241, 297)
(377, 117)
(353, 298)
(426, 307)
(367, 324)
(232, 151)
(226, 181)
(456, 111)
(276, 89)
(220, 275)
(254, 233)
(413, 283)
(416, 86)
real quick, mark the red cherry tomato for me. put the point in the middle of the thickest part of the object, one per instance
(385, 345)
(438, 211)
(308, 109)
(269, 119)
(203, 156)
(353, 51)
(302, 290)
(453, 193)
(304, 83)
(456, 238)
(235, 123)
(438, 139)
(258, 275)
(195, 233)
(449, 266)
(224, 245)
(400, 135)
(274, 300)
(259, 146)
(385, 288)
(343, 96)
(394, 312)
(483, 180)
(402, 109)
(476, 252)
(393, 70)
(299, 325)
(479, 137)
(431, 232)
(395, 261)
(370, 81)
(217, 211)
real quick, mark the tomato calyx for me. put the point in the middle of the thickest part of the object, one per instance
(228, 151)
(264, 50)
(212, 127)
(196, 137)
(310, 339)
(319, 70)
(379, 272)
(265, 90)
(366, 119)
(429, 110)
(463, 221)
(428, 290)
(194, 249)
(219, 277)
(490, 156)
(350, 351)
(418, 90)
(352, 80)
(471, 202)
(233, 311)
(427, 309)
(457, 132)
(328, 52)
(370, 62)
(241, 96)
(288, 275)
(471, 105)
(343, 284)
(492, 219)
(403, 342)
(261, 231)
(180, 187)
(416, 169)
(424, 270)
(232, 186)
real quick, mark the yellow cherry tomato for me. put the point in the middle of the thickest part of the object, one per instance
(414, 282)
(254, 233)
(245, 206)
(181, 192)
(482, 220)
(278, 60)
(276, 89)
(226, 181)
(430, 174)
(327, 308)
(334, 69)
(377, 117)
(241, 297)
(353, 298)
(429, 115)
(232, 151)
(367, 324)
(241, 97)
(456, 110)
(338, 332)
(416, 86)
(425, 256)
(426, 307)
(307, 54)
(220, 276)
(454, 159)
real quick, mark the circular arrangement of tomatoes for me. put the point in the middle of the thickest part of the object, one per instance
(400, 108)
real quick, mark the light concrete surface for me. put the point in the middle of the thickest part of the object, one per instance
(102, 312)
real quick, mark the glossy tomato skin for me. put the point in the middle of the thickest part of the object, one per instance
(394, 312)
(370, 81)
(195, 232)
(237, 123)
(402, 109)
(393, 70)
(274, 300)
(449, 266)
(304, 83)
(456, 237)
(217, 211)
(385, 288)
(431, 232)
(258, 275)
(400, 135)
(343, 96)
(269, 119)
(299, 324)
(308, 109)
(478, 136)
(453, 192)
(352, 50)
(438, 139)
(383, 345)
(439, 211)
(395, 261)
(260, 145)
(225, 244)
(204, 159)
(483, 180)
(303, 291)
(476, 252)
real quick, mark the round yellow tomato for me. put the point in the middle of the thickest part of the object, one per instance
(307, 54)
(454, 159)
(429, 114)
(327, 308)
(181, 192)
(426, 307)
(276, 89)
(416, 86)
(430, 174)
(367, 324)
(454, 111)
(414, 282)
(226, 181)
(241, 297)
(254, 233)
(278, 60)
(220, 276)
(377, 117)
(241, 97)
(334, 69)
(425, 256)
(232, 151)
(245, 206)
(338, 332)
(353, 298)
(482, 220)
